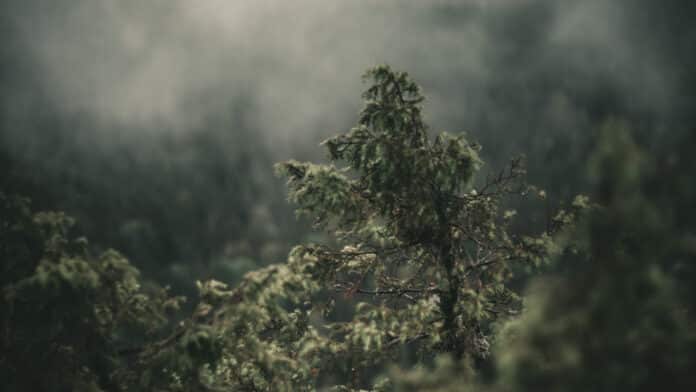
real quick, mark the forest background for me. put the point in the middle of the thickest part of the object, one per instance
(157, 125)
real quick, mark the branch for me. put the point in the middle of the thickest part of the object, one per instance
(397, 292)
(396, 341)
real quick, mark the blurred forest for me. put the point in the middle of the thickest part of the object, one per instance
(156, 125)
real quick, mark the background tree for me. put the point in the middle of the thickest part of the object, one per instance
(624, 319)
(74, 322)
(198, 203)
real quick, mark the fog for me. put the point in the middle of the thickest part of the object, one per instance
(166, 65)
(156, 122)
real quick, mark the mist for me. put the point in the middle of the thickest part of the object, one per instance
(183, 106)
(166, 65)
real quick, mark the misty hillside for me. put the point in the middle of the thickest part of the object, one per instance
(156, 125)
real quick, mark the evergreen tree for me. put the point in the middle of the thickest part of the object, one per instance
(624, 320)
(431, 254)
(427, 250)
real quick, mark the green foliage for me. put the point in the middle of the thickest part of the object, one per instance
(418, 273)
(263, 327)
(445, 375)
(624, 318)
(621, 322)
(71, 321)
(431, 254)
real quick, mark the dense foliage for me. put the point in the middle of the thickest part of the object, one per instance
(430, 253)
(419, 265)
(622, 318)
(415, 290)
(65, 314)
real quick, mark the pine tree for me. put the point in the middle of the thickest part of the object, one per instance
(420, 260)
(430, 253)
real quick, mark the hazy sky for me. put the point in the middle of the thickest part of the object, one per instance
(156, 122)
(483, 64)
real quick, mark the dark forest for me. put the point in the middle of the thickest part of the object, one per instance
(390, 195)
